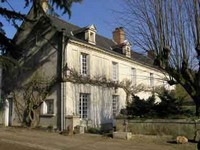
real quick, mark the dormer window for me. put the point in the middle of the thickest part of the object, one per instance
(91, 37)
(91, 34)
(86, 33)
(127, 49)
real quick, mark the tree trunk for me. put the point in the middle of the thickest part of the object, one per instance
(197, 102)
(197, 110)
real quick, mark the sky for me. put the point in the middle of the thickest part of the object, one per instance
(97, 12)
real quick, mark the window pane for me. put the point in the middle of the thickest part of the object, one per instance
(83, 105)
(50, 106)
(84, 64)
(115, 104)
(114, 71)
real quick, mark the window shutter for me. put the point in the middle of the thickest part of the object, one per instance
(81, 64)
(88, 64)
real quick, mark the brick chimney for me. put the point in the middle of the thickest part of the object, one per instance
(44, 4)
(119, 35)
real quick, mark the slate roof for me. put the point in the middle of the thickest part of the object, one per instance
(101, 42)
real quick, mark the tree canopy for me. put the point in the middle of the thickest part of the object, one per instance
(6, 44)
(170, 30)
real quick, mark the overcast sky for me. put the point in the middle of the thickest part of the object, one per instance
(97, 12)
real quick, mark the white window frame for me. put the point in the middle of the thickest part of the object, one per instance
(84, 64)
(134, 76)
(151, 80)
(115, 101)
(128, 51)
(92, 37)
(114, 71)
(83, 107)
(48, 107)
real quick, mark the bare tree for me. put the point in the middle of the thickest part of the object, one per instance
(29, 97)
(171, 30)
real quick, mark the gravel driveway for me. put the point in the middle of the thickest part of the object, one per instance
(27, 139)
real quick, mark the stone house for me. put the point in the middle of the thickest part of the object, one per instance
(49, 44)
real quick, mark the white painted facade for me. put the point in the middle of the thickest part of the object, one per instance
(92, 103)
(100, 105)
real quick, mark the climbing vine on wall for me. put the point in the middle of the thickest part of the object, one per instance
(29, 97)
(73, 76)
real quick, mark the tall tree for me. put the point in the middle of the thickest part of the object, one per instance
(171, 30)
(6, 44)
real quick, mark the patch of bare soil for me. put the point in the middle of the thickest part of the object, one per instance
(11, 146)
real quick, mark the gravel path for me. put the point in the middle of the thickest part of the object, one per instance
(26, 139)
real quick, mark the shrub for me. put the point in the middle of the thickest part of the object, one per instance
(141, 108)
(50, 128)
(94, 130)
(169, 107)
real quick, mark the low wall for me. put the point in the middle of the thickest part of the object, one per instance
(48, 120)
(160, 127)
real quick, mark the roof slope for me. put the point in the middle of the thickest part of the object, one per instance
(101, 42)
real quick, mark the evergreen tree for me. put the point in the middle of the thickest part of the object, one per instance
(8, 48)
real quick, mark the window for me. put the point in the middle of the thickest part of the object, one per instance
(48, 107)
(115, 104)
(84, 64)
(83, 105)
(133, 76)
(151, 80)
(92, 37)
(91, 34)
(114, 71)
(128, 52)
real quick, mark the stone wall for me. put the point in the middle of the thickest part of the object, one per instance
(172, 127)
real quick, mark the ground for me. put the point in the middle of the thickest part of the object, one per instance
(29, 139)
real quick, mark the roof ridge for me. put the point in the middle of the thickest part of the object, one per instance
(103, 42)
(76, 25)
(105, 37)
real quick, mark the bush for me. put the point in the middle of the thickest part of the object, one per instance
(50, 128)
(141, 108)
(169, 107)
(94, 130)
